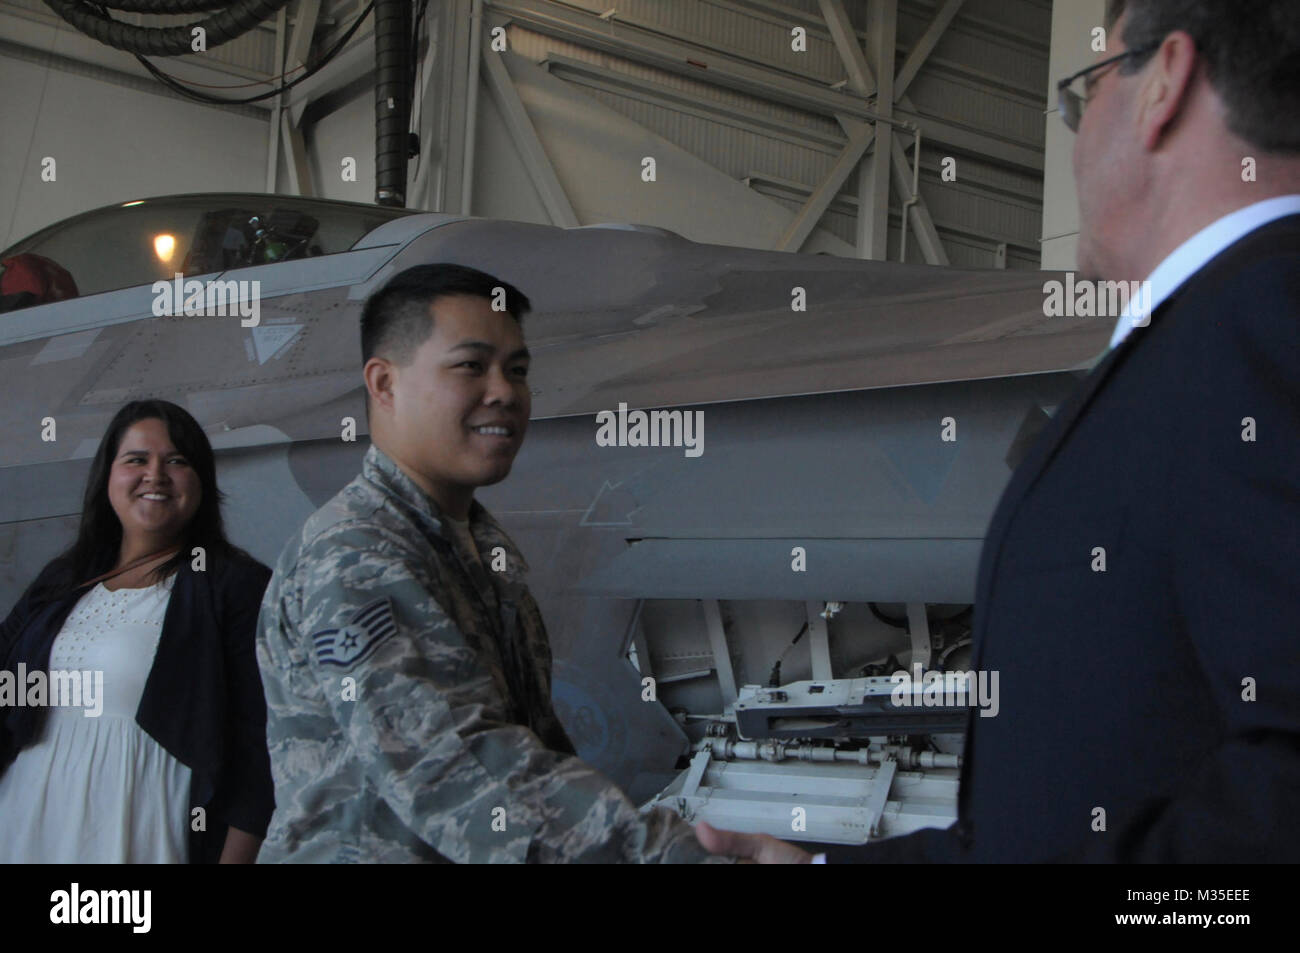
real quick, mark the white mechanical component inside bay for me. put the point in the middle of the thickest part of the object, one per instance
(825, 760)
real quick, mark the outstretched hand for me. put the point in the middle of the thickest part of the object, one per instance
(750, 848)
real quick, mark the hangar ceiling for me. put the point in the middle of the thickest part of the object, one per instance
(781, 124)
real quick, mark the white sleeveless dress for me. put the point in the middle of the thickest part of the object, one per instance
(98, 789)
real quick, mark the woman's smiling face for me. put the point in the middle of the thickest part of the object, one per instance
(152, 487)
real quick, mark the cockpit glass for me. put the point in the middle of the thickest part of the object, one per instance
(138, 243)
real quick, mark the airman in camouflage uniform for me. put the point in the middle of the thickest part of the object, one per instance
(407, 685)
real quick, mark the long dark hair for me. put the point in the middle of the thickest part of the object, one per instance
(99, 538)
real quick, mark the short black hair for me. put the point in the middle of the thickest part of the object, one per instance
(396, 319)
(1252, 54)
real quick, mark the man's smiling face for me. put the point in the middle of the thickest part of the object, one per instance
(460, 406)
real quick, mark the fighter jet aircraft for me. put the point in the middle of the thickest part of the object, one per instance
(729, 579)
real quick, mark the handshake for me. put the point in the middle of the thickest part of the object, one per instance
(750, 848)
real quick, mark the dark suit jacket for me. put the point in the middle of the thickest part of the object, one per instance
(1123, 690)
(202, 701)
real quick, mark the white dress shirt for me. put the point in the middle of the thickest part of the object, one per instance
(1192, 255)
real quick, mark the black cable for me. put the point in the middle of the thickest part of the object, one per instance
(888, 620)
(165, 7)
(332, 52)
(774, 679)
(222, 27)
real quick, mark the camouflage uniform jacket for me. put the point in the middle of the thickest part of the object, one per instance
(408, 700)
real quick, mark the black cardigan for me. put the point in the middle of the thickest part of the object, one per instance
(202, 702)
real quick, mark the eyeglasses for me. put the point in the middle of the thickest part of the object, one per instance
(1070, 104)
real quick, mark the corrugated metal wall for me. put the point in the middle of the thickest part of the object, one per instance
(988, 73)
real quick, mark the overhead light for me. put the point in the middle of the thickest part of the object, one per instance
(164, 246)
(136, 202)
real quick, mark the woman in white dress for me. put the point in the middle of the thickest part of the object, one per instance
(140, 733)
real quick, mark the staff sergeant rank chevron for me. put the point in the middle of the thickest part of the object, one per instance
(368, 627)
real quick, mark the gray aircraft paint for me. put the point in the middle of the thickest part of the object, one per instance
(823, 428)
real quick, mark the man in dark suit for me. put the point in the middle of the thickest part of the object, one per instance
(1138, 586)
